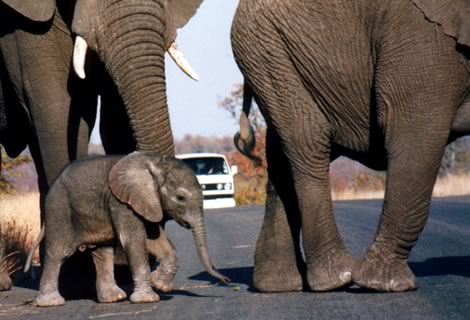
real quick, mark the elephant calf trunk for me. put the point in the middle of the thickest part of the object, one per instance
(201, 247)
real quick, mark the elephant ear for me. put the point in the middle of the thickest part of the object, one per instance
(36, 10)
(135, 180)
(452, 15)
(179, 12)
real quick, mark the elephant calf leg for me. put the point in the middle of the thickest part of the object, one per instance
(48, 289)
(132, 235)
(106, 287)
(164, 251)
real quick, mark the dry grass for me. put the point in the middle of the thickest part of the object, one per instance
(452, 186)
(448, 186)
(353, 194)
(22, 209)
(19, 227)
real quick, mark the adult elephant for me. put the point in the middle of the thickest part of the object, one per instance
(383, 82)
(44, 105)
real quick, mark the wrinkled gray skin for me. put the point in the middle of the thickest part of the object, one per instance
(45, 106)
(376, 81)
(43, 103)
(98, 203)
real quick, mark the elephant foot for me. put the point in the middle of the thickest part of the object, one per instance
(5, 282)
(330, 271)
(144, 295)
(277, 277)
(382, 274)
(110, 294)
(49, 299)
(162, 280)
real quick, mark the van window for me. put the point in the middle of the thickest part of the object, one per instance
(207, 166)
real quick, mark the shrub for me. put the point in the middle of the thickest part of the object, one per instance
(250, 182)
(7, 172)
(14, 246)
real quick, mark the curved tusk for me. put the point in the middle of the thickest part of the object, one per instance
(181, 62)
(79, 55)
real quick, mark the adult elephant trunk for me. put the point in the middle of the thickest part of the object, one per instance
(133, 52)
(131, 41)
(199, 234)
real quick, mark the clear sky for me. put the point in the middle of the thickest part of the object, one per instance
(205, 42)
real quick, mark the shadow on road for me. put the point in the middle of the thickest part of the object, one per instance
(456, 265)
(237, 275)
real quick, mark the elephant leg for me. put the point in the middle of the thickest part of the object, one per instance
(412, 171)
(419, 115)
(115, 129)
(329, 264)
(106, 287)
(57, 251)
(62, 133)
(48, 289)
(278, 261)
(5, 281)
(43, 186)
(164, 251)
(132, 235)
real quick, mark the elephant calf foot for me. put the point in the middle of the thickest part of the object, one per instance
(163, 280)
(144, 295)
(330, 271)
(110, 294)
(382, 274)
(49, 299)
(277, 277)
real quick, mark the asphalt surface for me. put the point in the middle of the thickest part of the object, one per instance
(440, 260)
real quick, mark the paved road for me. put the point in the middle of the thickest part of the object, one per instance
(441, 261)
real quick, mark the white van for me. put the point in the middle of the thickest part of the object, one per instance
(215, 176)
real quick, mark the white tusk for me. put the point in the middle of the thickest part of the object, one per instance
(181, 62)
(79, 55)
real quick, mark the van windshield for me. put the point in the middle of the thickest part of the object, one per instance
(207, 165)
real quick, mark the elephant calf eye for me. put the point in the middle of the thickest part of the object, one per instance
(181, 198)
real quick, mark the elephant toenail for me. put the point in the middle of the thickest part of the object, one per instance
(346, 276)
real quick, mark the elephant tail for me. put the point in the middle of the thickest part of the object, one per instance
(33, 248)
(245, 139)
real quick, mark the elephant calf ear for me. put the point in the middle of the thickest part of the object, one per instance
(36, 10)
(132, 182)
(452, 15)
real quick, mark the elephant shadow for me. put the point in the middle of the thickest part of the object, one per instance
(243, 275)
(452, 265)
(439, 266)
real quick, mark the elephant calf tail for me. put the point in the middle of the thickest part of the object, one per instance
(34, 247)
(245, 139)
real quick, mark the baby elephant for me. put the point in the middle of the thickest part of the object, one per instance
(96, 201)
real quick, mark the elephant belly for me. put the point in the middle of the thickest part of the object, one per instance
(461, 122)
(94, 228)
(375, 158)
